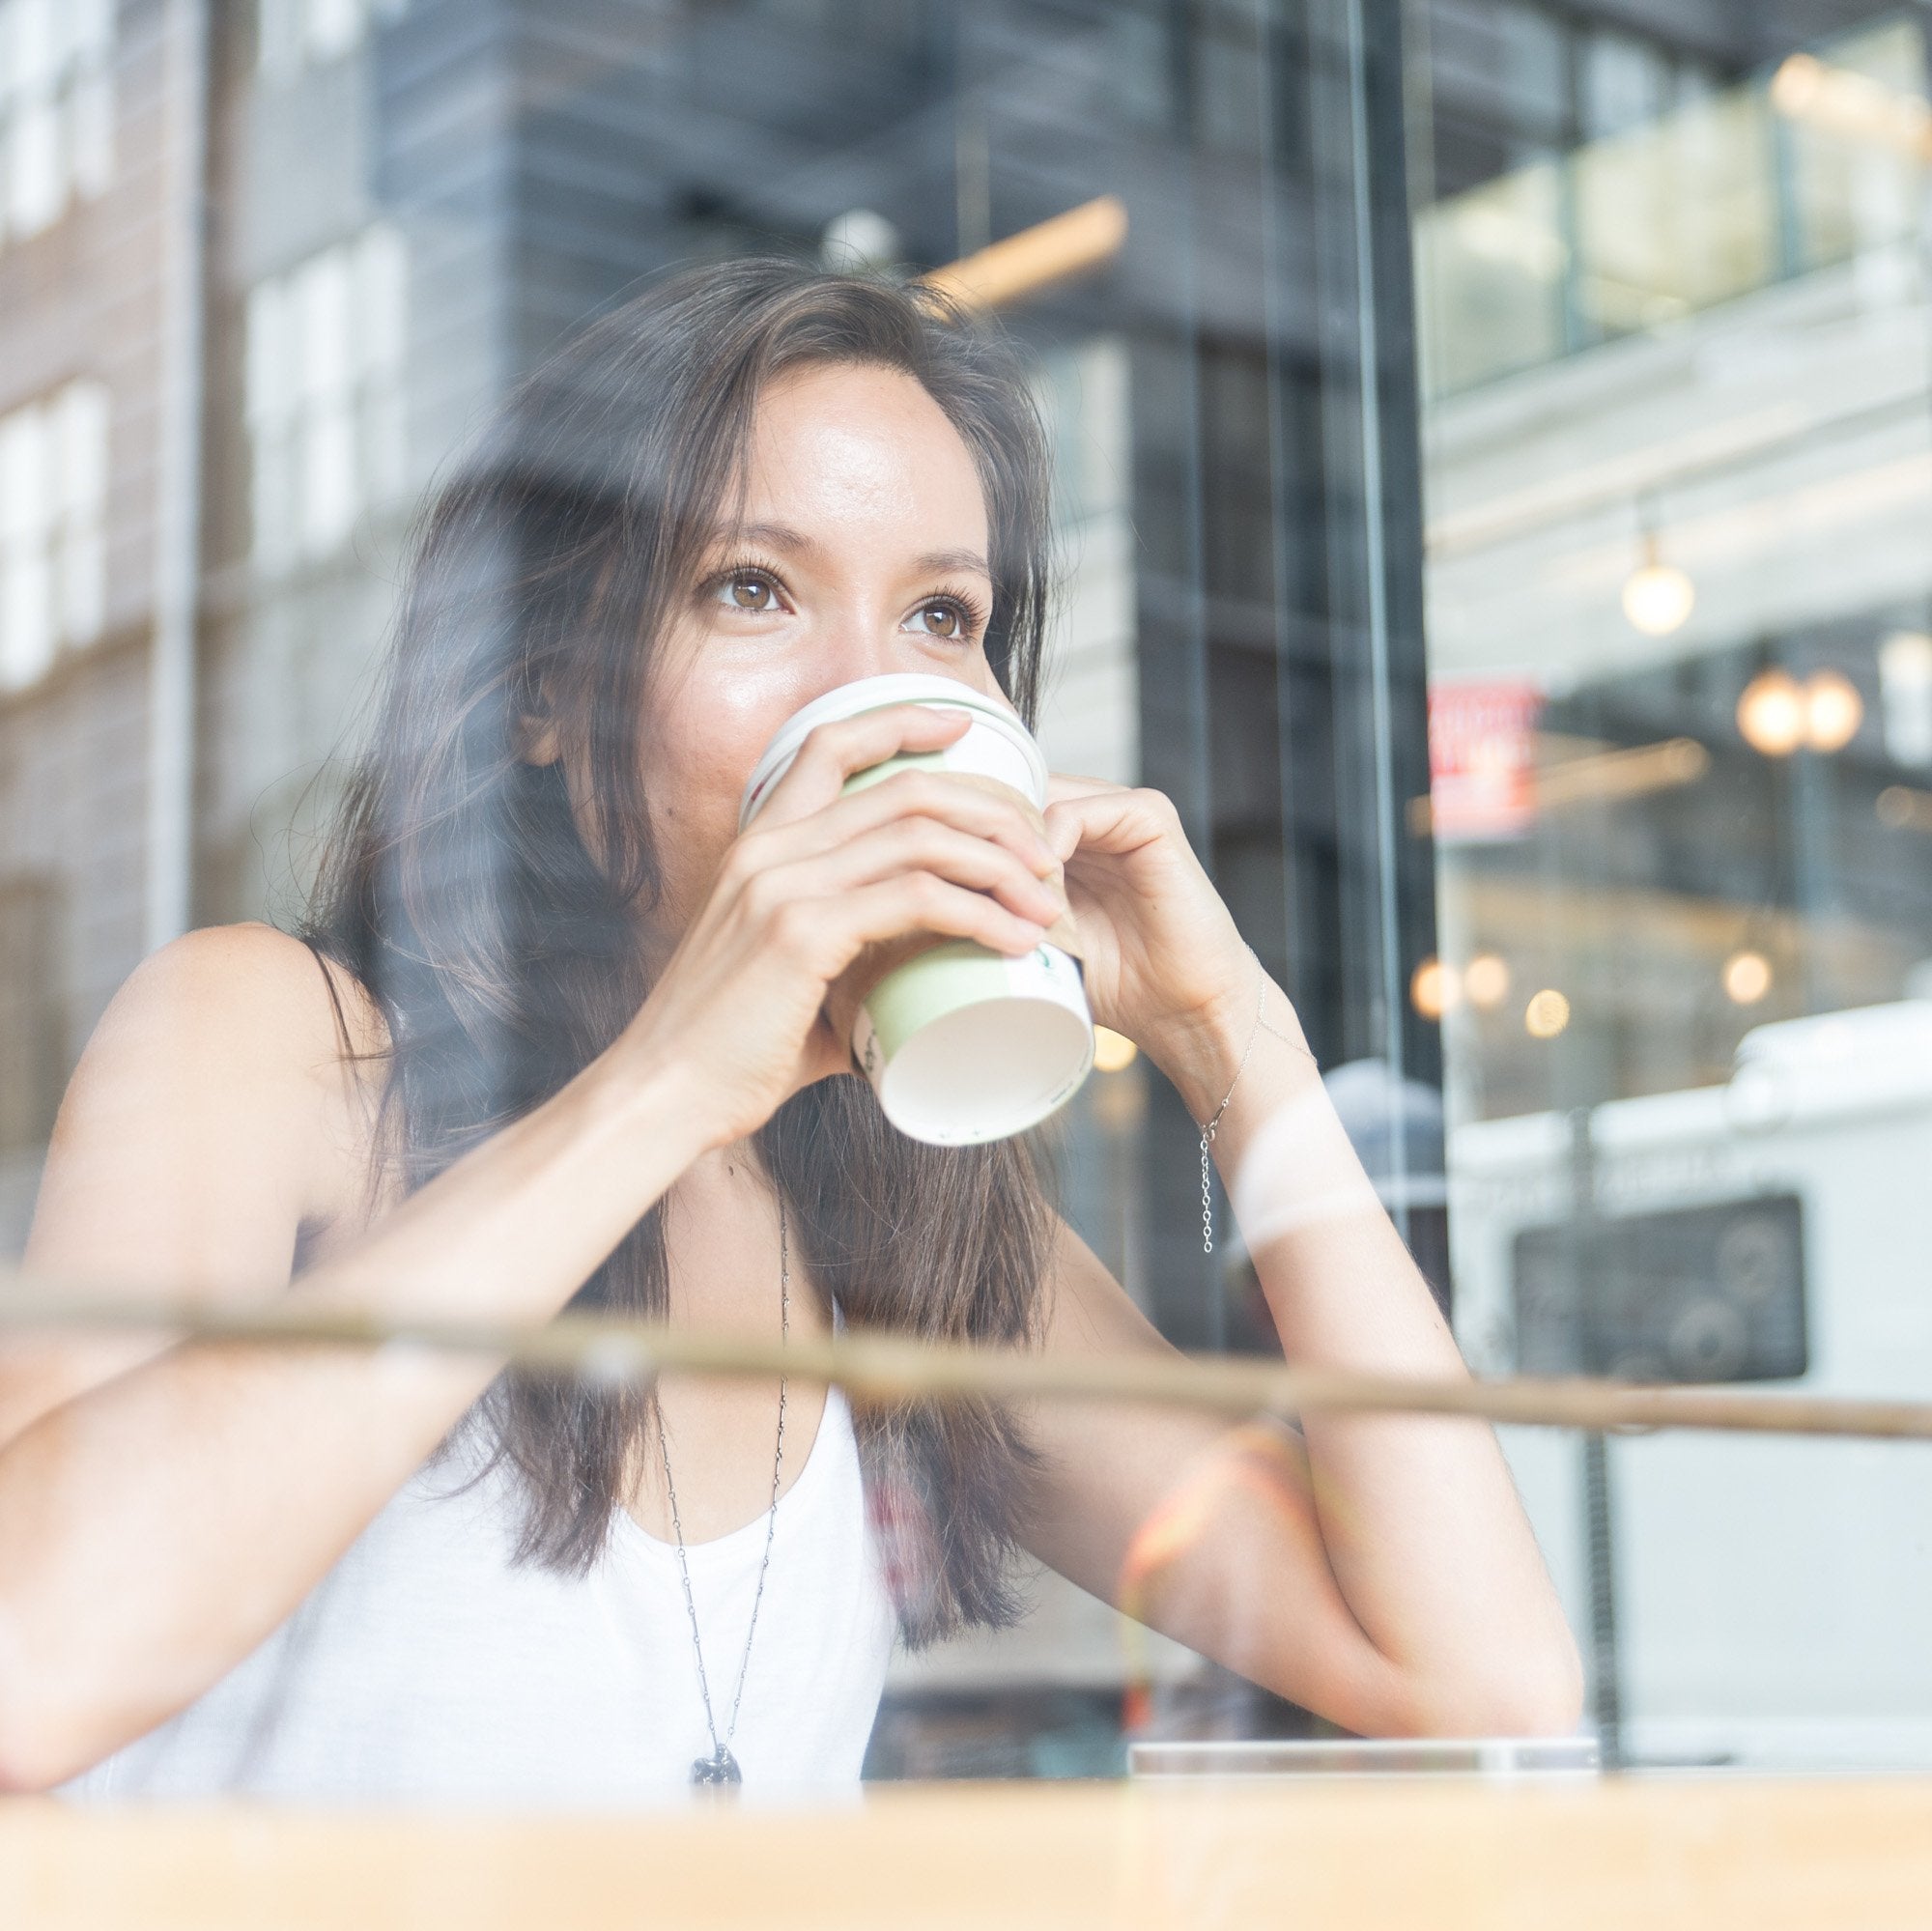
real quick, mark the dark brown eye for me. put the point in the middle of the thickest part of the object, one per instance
(951, 617)
(749, 593)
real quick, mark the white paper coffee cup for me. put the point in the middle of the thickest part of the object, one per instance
(961, 1044)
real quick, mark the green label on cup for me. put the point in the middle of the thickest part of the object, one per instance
(904, 761)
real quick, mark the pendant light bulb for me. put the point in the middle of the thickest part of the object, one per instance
(1834, 710)
(1772, 713)
(1658, 596)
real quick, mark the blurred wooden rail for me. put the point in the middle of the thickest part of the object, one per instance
(879, 1368)
(1670, 1855)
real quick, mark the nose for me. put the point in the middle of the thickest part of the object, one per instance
(866, 650)
(867, 636)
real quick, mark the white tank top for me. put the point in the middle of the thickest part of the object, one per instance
(426, 1667)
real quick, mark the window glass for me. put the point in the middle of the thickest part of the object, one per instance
(53, 457)
(1467, 468)
(1626, 83)
(1678, 597)
(292, 34)
(322, 398)
(25, 605)
(56, 109)
(1165, 218)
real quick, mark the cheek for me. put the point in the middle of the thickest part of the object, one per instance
(698, 754)
(698, 760)
(707, 724)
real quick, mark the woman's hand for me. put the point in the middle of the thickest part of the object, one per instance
(808, 886)
(1164, 963)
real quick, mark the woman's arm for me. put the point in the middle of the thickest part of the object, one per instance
(1379, 1570)
(162, 1512)
(1376, 1570)
(1419, 1516)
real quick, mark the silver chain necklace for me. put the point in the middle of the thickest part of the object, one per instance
(721, 1766)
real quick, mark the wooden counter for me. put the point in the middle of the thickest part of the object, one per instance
(1760, 1855)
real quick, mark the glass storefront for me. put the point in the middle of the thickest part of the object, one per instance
(1679, 607)
(1493, 482)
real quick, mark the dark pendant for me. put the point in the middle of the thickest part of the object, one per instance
(720, 1768)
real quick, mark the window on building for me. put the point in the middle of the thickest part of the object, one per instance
(294, 34)
(324, 396)
(56, 108)
(1516, 81)
(54, 486)
(1626, 82)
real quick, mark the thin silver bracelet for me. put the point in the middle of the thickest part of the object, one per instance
(1209, 1130)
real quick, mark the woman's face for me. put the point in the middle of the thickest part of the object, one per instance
(862, 551)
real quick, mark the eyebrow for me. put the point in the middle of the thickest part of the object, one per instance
(782, 536)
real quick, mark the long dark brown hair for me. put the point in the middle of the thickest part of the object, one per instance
(458, 888)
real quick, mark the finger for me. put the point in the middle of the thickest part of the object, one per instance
(948, 797)
(925, 845)
(933, 794)
(831, 753)
(920, 901)
(1116, 821)
(1069, 784)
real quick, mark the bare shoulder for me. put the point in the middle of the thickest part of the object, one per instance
(248, 989)
(240, 1026)
(214, 1122)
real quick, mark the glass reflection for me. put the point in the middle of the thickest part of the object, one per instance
(1677, 447)
(1606, 916)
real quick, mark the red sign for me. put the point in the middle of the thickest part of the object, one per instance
(1482, 759)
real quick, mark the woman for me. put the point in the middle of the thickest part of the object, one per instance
(555, 1038)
